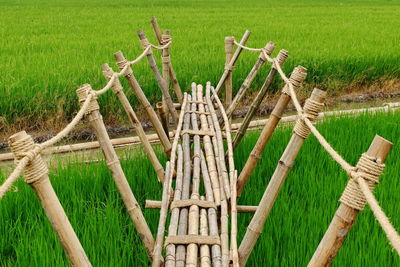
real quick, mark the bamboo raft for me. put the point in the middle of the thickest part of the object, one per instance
(200, 184)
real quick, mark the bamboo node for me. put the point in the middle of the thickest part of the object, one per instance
(368, 168)
(83, 91)
(165, 59)
(310, 111)
(22, 145)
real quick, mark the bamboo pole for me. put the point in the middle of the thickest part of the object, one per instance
(297, 77)
(205, 258)
(96, 122)
(161, 82)
(259, 98)
(36, 175)
(167, 186)
(269, 48)
(173, 224)
(229, 67)
(163, 114)
(133, 83)
(165, 76)
(162, 40)
(312, 106)
(187, 167)
(118, 91)
(192, 249)
(223, 178)
(345, 215)
(229, 43)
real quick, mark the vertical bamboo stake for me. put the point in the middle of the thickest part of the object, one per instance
(96, 122)
(345, 215)
(133, 83)
(229, 67)
(228, 83)
(173, 224)
(161, 82)
(259, 98)
(312, 106)
(118, 90)
(36, 175)
(297, 77)
(205, 259)
(165, 76)
(269, 48)
(161, 41)
(163, 114)
(187, 167)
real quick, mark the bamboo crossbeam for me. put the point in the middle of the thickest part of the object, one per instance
(231, 64)
(118, 91)
(229, 43)
(281, 58)
(282, 170)
(161, 41)
(95, 119)
(36, 175)
(190, 239)
(345, 215)
(156, 204)
(133, 83)
(297, 77)
(161, 82)
(269, 48)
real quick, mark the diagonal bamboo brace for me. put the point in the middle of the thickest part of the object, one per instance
(348, 210)
(297, 77)
(118, 91)
(133, 83)
(311, 108)
(36, 175)
(229, 44)
(269, 48)
(229, 67)
(259, 98)
(161, 82)
(96, 122)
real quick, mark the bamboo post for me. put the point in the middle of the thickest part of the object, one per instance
(311, 108)
(229, 67)
(229, 43)
(163, 114)
(269, 48)
(118, 91)
(36, 175)
(96, 122)
(161, 41)
(165, 75)
(352, 202)
(297, 77)
(133, 83)
(161, 82)
(259, 98)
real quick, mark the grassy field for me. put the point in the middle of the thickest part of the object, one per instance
(295, 226)
(49, 48)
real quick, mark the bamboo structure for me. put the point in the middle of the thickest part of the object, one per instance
(118, 91)
(312, 107)
(133, 83)
(161, 82)
(36, 175)
(229, 67)
(297, 77)
(162, 40)
(351, 205)
(269, 48)
(229, 43)
(259, 98)
(96, 122)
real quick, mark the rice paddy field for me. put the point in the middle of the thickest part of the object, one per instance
(295, 226)
(50, 48)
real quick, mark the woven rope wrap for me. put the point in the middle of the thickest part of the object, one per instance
(367, 168)
(108, 73)
(298, 75)
(310, 110)
(121, 64)
(145, 43)
(268, 49)
(165, 38)
(82, 93)
(22, 145)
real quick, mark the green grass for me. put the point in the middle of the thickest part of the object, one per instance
(49, 48)
(293, 230)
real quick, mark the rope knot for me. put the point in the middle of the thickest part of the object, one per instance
(83, 92)
(310, 111)
(122, 64)
(165, 39)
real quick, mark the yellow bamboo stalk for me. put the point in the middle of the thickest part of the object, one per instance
(229, 43)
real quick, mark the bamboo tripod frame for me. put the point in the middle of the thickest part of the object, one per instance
(203, 224)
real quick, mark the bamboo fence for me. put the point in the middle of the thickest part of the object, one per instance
(203, 226)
